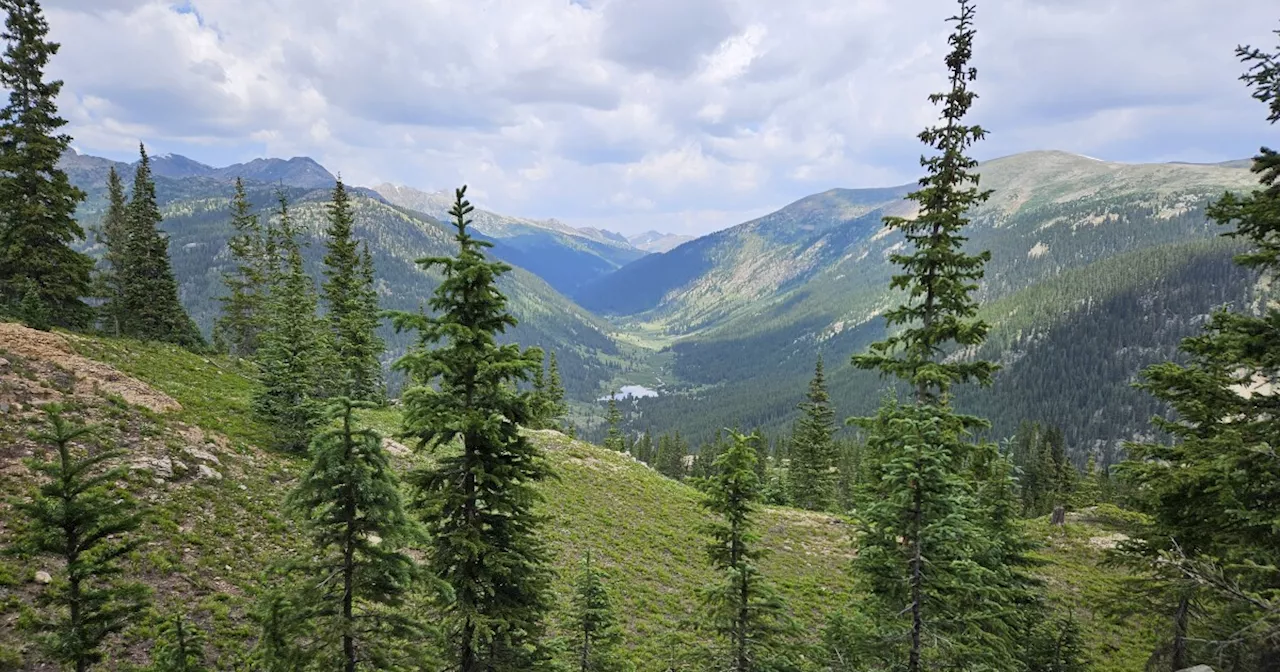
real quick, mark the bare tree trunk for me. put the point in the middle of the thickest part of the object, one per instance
(1179, 655)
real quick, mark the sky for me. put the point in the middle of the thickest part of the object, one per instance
(683, 116)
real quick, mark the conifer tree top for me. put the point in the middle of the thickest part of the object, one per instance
(938, 276)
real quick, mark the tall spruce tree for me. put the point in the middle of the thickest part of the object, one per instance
(369, 374)
(935, 566)
(478, 498)
(113, 235)
(1214, 492)
(593, 626)
(149, 303)
(37, 201)
(614, 439)
(291, 352)
(80, 516)
(348, 292)
(813, 450)
(350, 499)
(240, 326)
(743, 608)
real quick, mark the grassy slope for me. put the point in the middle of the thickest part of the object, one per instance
(211, 538)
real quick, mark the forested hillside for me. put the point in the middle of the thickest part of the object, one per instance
(567, 258)
(197, 218)
(1018, 416)
(740, 331)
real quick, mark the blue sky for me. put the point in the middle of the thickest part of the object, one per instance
(679, 115)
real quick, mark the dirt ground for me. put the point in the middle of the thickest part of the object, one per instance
(87, 377)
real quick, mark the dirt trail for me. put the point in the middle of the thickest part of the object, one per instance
(90, 376)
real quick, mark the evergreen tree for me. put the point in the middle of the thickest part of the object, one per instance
(813, 455)
(549, 408)
(285, 643)
(849, 466)
(1064, 473)
(594, 625)
(33, 311)
(539, 398)
(1088, 493)
(179, 647)
(350, 500)
(37, 201)
(1054, 645)
(348, 291)
(89, 524)
(937, 547)
(614, 439)
(703, 467)
(557, 409)
(743, 607)
(149, 304)
(1047, 479)
(762, 459)
(370, 373)
(291, 351)
(113, 235)
(1213, 492)
(478, 498)
(670, 457)
(644, 450)
(241, 323)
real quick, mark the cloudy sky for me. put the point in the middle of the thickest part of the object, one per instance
(680, 115)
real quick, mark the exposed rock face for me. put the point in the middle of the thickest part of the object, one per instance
(43, 578)
(395, 448)
(205, 471)
(160, 467)
(87, 376)
(201, 455)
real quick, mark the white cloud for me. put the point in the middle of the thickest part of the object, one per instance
(636, 114)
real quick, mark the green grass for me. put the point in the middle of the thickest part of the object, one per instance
(210, 540)
(1078, 584)
(645, 531)
(215, 393)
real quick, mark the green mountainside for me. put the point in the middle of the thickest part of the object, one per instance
(728, 325)
(198, 224)
(216, 518)
(745, 311)
(567, 258)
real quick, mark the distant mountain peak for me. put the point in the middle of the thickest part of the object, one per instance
(657, 242)
(437, 204)
(299, 171)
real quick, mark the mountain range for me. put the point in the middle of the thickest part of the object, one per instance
(1097, 269)
(1121, 255)
(565, 257)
